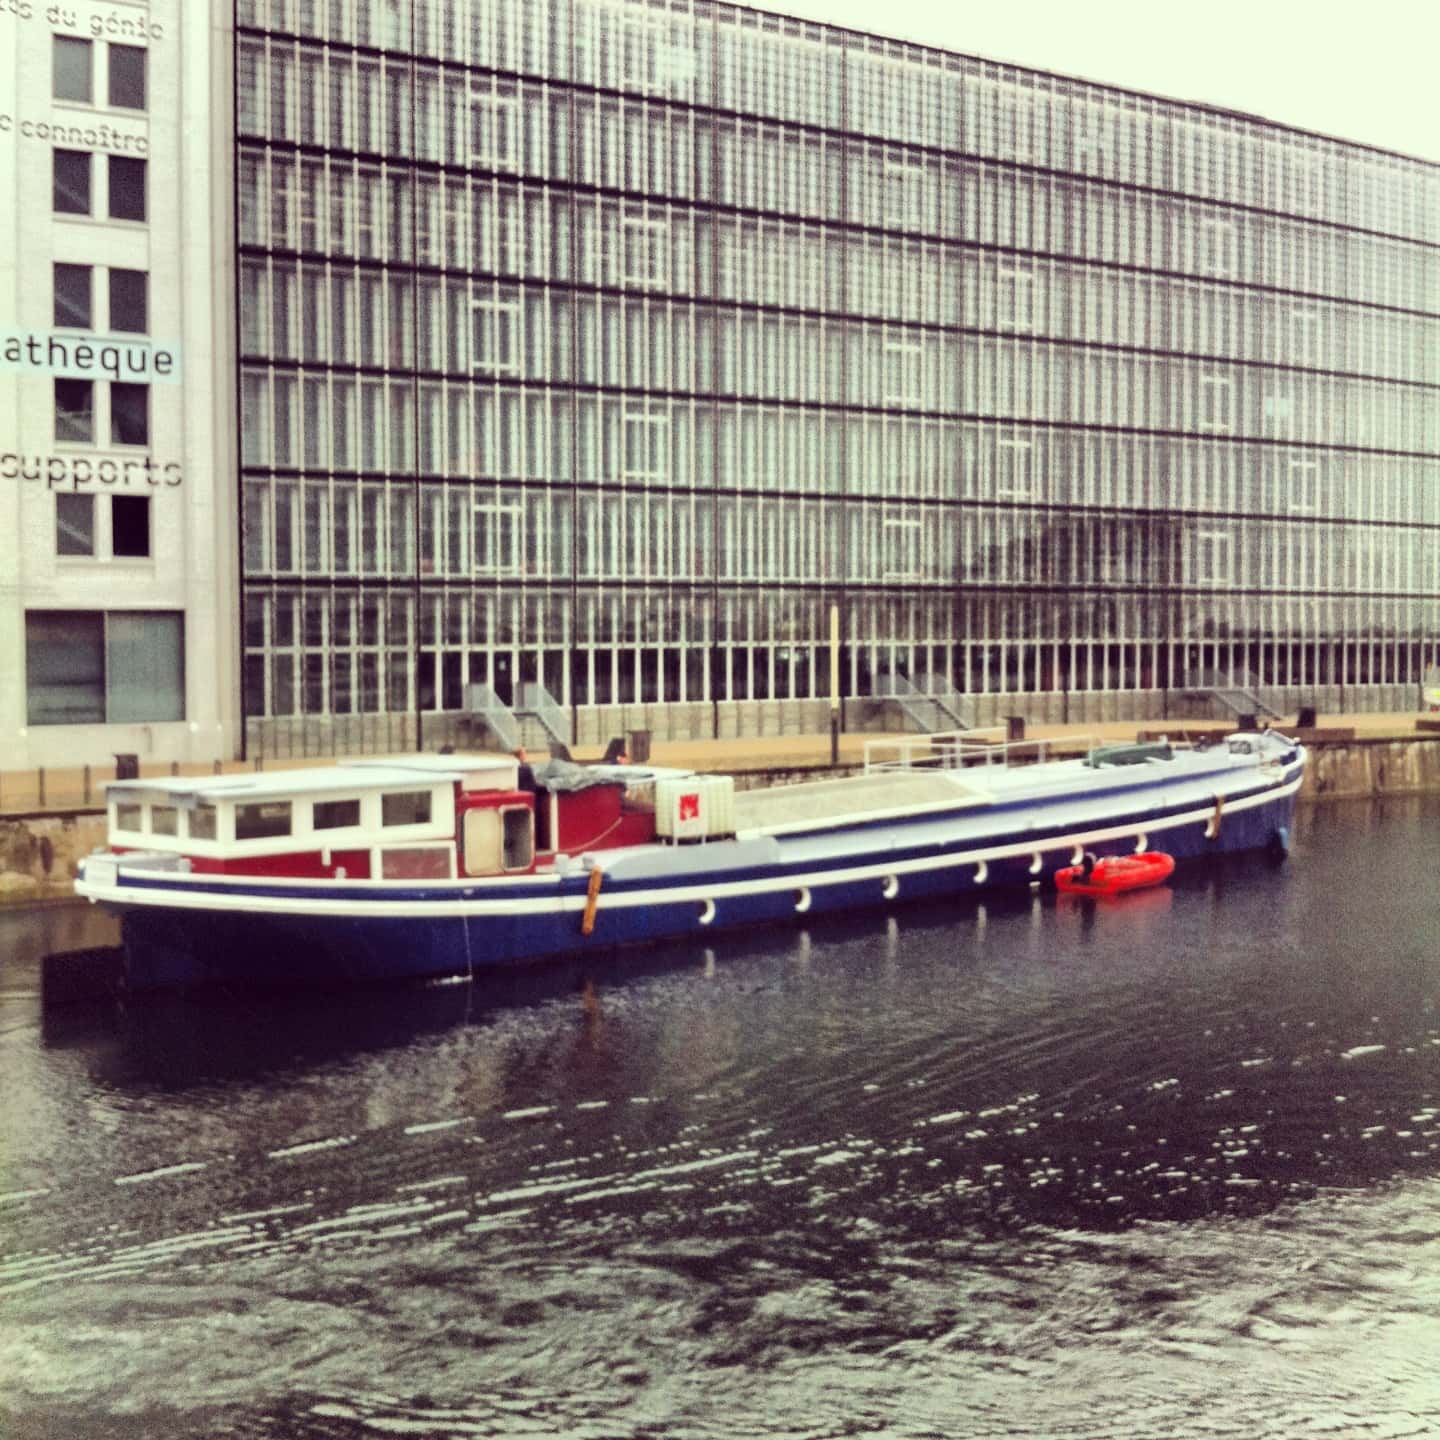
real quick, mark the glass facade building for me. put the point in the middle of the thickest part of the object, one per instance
(609, 344)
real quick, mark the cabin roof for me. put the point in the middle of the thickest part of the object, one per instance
(448, 766)
(352, 776)
(280, 784)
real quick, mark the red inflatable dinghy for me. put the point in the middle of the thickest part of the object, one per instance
(1115, 874)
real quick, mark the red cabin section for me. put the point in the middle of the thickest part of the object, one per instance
(418, 818)
(517, 832)
(304, 865)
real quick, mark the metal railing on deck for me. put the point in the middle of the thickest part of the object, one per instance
(957, 750)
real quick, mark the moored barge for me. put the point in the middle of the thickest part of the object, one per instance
(437, 865)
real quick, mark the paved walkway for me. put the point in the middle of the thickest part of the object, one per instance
(69, 789)
(769, 752)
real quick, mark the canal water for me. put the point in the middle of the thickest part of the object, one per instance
(1166, 1166)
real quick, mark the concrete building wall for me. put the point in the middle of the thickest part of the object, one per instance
(83, 684)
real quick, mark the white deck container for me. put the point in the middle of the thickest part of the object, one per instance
(695, 807)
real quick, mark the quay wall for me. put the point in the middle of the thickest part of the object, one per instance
(39, 852)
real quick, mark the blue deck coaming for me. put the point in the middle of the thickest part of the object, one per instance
(169, 947)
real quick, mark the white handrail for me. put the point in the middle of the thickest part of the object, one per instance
(957, 749)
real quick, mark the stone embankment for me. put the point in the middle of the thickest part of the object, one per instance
(39, 853)
(1361, 768)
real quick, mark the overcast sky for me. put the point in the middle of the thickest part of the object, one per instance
(1366, 70)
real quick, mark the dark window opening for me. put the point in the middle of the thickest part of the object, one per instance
(72, 182)
(335, 814)
(74, 524)
(130, 301)
(71, 73)
(518, 838)
(75, 411)
(262, 822)
(64, 668)
(130, 526)
(127, 77)
(127, 188)
(72, 296)
(410, 807)
(129, 414)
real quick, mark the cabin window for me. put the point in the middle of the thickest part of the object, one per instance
(164, 820)
(127, 817)
(335, 814)
(415, 862)
(498, 840)
(519, 832)
(262, 821)
(201, 824)
(407, 807)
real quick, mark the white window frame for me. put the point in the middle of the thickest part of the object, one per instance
(1302, 493)
(1214, 562)
(1014, 474)
(494, 335)
(1215, 401)
(900, 537)
(648, 239)
(499, 116)
(901, 180)
(904, 361)
(1217, 246)
(1021, 297)
(652, 442)
(505, 532)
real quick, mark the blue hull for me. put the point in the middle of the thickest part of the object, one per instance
(456, 930)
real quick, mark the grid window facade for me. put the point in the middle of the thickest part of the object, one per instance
(605, 346)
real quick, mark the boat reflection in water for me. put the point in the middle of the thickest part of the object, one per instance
(174, 1039)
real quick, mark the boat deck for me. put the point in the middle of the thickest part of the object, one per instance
(829, 802)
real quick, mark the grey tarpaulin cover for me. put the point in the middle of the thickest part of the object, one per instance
(564, 776)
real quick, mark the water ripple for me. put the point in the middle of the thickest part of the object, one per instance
(1081, 1172)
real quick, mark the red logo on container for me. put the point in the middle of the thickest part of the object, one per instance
(689, 807)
